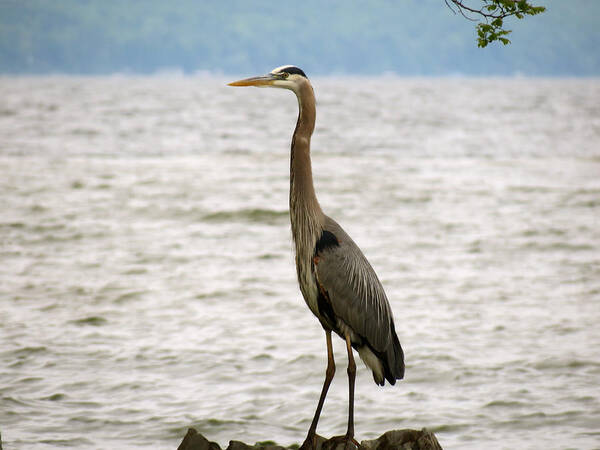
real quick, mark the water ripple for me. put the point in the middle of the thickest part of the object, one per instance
(147, 272)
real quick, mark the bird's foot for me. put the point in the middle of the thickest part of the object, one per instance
(336, 441)
(312, 442)
(308, 444)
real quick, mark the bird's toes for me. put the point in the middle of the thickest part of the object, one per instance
(307, 445)
(341, 442)
(311, 442)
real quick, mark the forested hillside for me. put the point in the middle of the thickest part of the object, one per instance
(407, 37)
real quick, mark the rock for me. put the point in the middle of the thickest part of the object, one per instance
(390, 440)
(195, 441)
(403, 440)
(237, 445)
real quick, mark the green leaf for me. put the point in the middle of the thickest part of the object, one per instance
(537, 10)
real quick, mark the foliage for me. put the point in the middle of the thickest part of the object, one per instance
(493, 12)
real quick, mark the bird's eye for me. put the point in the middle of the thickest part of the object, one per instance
(284, 75)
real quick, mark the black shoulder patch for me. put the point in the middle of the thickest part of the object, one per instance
(327, 240)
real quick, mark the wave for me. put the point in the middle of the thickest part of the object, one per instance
(92, 320)
(254, 215)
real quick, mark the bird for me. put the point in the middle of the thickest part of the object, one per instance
(337, 282)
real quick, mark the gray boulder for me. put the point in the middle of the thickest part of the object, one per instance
(403, 440)
(390, 440)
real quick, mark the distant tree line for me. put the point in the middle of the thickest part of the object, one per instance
(407, 37)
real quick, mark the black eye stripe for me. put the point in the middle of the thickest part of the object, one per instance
(295, 70)
(292, 70)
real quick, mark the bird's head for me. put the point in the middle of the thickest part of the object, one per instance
(286, 77)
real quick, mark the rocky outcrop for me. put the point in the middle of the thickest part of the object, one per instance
(390, 440)
(403, 440)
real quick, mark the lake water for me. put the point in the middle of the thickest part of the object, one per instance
(147, 281)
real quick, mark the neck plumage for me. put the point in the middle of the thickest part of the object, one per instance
(305, 213)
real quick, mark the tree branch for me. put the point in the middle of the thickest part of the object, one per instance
(493, 13)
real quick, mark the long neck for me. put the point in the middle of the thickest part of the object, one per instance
(305, 213)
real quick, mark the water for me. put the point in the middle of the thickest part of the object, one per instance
(147, 281)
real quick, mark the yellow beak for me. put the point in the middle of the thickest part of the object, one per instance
(265, 80)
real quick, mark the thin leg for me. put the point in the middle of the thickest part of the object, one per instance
(351, 379)
(348, 439)
(309, 443)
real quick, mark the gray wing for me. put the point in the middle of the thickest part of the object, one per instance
(353, 289)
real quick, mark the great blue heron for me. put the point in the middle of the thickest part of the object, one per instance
(338, 284)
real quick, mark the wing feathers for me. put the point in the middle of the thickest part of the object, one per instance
(356, 296)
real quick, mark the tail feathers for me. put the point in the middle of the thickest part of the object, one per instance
(387, 365)
(394, 362)
(393, 359)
